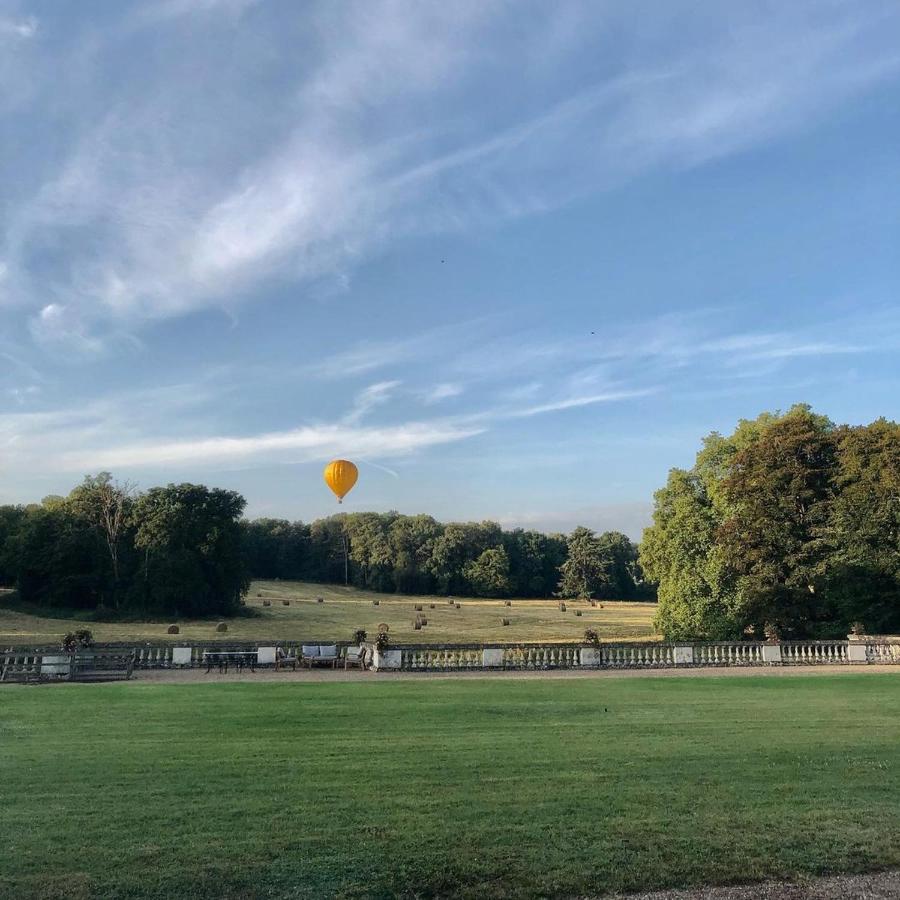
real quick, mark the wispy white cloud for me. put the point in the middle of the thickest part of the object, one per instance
(376, 140)
(298, 445)
(18, 28)
(370, 398)
(443, 391)
(588, 400)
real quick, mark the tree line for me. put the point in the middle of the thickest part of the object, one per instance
(789, 527)
(187, 550)
(419, 555)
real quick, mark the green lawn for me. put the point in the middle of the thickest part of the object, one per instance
(346, 609)
(479, 788)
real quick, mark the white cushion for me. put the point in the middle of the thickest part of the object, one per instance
(181, 656)
(265, 656)
(328, 650)
(310, 650)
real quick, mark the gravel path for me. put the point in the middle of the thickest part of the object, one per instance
(307, 676)
(878, 886)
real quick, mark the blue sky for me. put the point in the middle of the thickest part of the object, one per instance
(515, 258)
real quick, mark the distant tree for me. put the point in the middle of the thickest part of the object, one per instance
(276, 548)
(11, 518)
(534, 561)
(622, 570)
(412, 545)
(488, 575)
(106, 505)
(190, 537)
(328, 544)
(56, 559)
(586, 569)
(458, 544)
(370, 549)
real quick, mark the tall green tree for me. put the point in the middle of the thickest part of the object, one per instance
(585, 573)
(412, 545)
(863, 566)
(789, 525)
(779, 489)
(190, 538)
(488, 575)
(106, 505)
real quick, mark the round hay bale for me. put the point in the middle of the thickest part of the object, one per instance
(267, 602)
(259, 594)
(320, 599)
(417, 625)
(458, 605)
(593, 602)
(286, 602)
(376, 602)
(562, 607)
(222, 626)
(173, 629)
(431, 606)
(418, 607)
(577, 612)
(423, 620)
(508, 603)
(504, 621)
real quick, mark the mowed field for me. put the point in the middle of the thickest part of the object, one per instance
(346, 609)
(419, 788)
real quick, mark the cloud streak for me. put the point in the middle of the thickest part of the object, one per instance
(349, 168)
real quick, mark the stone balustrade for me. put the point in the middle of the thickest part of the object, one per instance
(729, 653)
(810, 653)
(524, 656)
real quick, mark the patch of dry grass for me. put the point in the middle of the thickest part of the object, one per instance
(346, 609)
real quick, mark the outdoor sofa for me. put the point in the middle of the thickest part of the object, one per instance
(319, 655)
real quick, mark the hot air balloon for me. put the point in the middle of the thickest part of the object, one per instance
(340, 476)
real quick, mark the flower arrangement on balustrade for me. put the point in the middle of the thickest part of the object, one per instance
(591, 637)
(382, 641)
(359, 635)
(77, 640)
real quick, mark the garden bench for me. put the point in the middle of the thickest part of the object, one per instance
(315, 654)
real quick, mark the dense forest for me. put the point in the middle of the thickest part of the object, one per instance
(186, 550)
(789, 527)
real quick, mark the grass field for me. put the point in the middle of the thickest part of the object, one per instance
(346, 609)
(478, 788)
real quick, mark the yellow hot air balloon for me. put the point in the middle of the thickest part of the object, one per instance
(340, 476)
